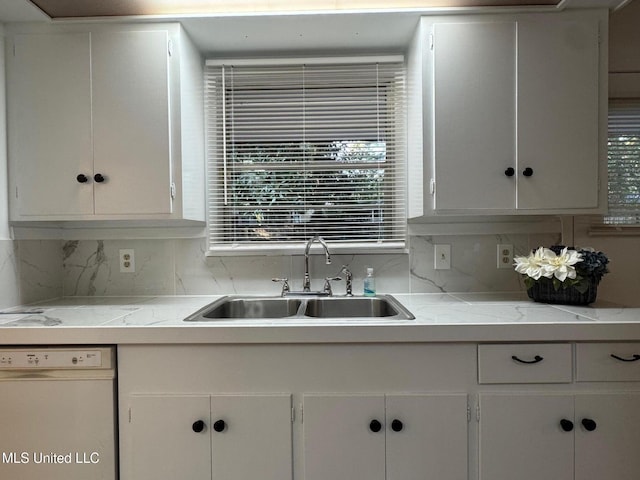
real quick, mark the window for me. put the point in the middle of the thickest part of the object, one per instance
(302, 148)
(624, 162)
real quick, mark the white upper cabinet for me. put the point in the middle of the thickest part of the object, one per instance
(474, 114)
(98, 122)
(513, 113)
(130, 101)
(50, 124)
(558, 114)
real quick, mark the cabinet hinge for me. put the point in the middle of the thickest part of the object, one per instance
(293, 414)
(468, 413)
(172, 188)
(478, 412)
(14, 49)
(432, 186)
(170, 47)
(129, 414)
(16, 192)
(431, 41)
(301, 413)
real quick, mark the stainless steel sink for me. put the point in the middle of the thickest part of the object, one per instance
(253, 307)
(349, 307)
(248, 307)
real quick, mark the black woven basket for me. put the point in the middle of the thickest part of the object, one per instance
(544, 292)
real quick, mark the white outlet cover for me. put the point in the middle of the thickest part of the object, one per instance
(127, 260)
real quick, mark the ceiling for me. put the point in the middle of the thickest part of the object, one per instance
(44, 10)
(230, 27)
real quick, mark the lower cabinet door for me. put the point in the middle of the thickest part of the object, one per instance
(608, 436)
(251, 437)
(523, 437)
(170, 438)
(200, 437)
(427, 437)
(344, 437)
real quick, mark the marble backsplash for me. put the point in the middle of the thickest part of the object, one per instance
(53, 268)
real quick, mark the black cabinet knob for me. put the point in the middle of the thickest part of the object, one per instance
(588, 424)
(527, 172)
(198, 426)
(375, 426)
(99, 178)
(219, 425)
(566, 425)
(82, 178)
(509, 172)
(397, 425)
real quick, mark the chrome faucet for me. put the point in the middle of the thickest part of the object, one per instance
(306, 283)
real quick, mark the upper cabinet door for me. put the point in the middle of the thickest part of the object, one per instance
(131, 122)
(50, 124)
(558, 65)
(474, 115)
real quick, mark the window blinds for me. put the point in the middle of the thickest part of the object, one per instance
(302, 148)
(624, 162)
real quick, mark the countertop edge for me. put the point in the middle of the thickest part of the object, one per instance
(132, 335)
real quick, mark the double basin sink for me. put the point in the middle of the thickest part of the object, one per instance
(255, 307)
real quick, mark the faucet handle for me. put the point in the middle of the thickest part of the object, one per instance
(348, 277)
(327, 284)
(285, 285)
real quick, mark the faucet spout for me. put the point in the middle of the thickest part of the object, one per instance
(306, 284)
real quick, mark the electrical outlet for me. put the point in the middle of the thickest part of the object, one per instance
(505, 256)
(442, 257)
(127, 261)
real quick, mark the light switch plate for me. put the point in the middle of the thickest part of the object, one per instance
(442, 257)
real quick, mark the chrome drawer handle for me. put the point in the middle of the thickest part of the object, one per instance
(635, 358)
(536, 359)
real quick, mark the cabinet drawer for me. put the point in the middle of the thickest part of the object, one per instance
(524, 363)
(607, 362)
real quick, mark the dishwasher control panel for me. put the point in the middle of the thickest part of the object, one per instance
(11, 359)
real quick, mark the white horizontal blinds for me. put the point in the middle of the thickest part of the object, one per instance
(303, 149)
(624, 162)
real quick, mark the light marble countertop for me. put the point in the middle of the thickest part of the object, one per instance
(465, 317)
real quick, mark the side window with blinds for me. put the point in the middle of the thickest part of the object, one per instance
(624, 162)
(306, 148)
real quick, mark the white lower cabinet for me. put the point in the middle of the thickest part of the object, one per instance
(378, 437)
(202, 437)
(559, 436)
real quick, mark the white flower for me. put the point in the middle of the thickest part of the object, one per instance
(560, 266)
(532, 265)
(545, 263)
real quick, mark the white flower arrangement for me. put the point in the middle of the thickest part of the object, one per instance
(562, 266)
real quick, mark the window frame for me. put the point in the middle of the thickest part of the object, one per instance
(295, 246)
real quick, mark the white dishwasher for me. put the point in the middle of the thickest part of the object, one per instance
(57, 413)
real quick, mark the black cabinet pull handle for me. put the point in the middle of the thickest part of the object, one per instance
(375, 426)
(536, 359)
(566, 425)
(635, 358)
(588, 424)
(397, 425)
(219, 425)
(198, 426)
(527, 172)
(98, 177)
(82, 178)
(509, 172)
